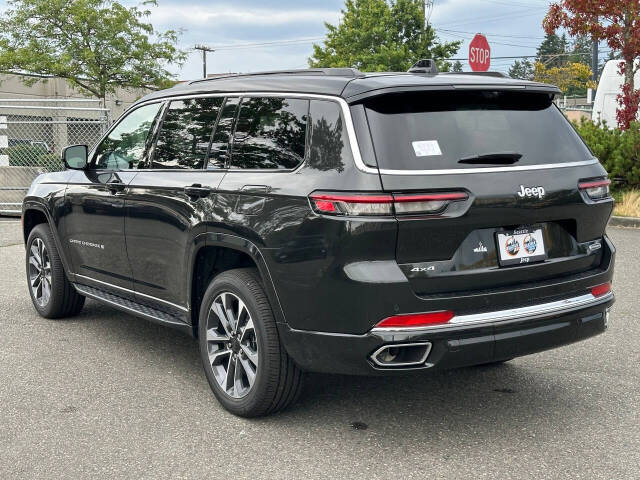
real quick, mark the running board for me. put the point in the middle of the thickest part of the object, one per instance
(134, 308)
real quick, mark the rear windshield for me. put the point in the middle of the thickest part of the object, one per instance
(435, 130)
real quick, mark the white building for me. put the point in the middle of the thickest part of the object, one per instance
(13, 86)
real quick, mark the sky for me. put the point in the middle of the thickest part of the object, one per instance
(513, 28)
(234, 27)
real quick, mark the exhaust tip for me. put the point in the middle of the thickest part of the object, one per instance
(402, 355)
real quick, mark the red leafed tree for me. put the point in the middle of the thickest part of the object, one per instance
(618, 23)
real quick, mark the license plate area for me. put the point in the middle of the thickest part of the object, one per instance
(521, 246)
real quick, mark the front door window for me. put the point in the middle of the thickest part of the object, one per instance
(125, 146)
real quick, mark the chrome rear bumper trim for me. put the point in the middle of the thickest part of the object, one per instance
(531, 312)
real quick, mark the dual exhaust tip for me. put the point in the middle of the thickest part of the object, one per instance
(402, 355)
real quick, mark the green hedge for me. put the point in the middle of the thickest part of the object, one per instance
(33, 156)
(618, 151)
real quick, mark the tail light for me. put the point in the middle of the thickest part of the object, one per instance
(383, 204)
(597, 189)
(347, 204)
(416, 320)
(427, 203)
(600, 290)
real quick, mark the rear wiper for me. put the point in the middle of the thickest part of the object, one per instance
(500, 158)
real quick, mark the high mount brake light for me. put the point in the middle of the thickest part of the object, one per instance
(382, 204)
(416, 320)
(597, 189)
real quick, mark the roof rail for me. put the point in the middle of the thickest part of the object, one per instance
(482, 74)
(331, 72)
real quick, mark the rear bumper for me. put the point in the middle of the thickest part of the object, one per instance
(475, 339)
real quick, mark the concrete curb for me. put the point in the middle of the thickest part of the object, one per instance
(629, 222)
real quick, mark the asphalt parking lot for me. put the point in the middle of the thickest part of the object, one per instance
(109, 396)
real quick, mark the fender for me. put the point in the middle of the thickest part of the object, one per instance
(243, 245)
(34, 203)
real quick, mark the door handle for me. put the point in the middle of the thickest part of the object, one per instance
(197, 191)
(115, 185)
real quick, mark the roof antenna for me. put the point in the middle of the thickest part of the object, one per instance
(426, 65)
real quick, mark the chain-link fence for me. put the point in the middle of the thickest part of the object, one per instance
(32, 135)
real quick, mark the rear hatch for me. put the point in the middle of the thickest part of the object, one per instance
(526, 214)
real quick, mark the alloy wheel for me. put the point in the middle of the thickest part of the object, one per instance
(232, 345)
(40, 272)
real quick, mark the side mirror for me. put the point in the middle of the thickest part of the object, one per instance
(75, 157)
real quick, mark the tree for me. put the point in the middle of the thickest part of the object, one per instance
(522, 69)
(581, 50)
(618, 23)
(457, 67)
(374, 35)
(552, 51)
(97, 45)
(570, 76)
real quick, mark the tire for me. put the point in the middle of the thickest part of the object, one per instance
(277, 381)
(52, 294)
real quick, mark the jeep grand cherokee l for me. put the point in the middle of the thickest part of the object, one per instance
(333, 221)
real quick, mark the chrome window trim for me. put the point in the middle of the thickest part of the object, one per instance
(346, 112)
(459, 171)
(131, 291)
(531, 312)
(240, 95)
(353, 141)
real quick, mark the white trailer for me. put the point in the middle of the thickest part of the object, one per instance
(605, 105)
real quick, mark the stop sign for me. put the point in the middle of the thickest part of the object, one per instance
(479, 54)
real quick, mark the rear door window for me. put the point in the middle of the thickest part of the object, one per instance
(435, 130)
(185, 133)
(270, 133)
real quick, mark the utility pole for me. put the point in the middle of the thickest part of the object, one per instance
(427, 9)
(594, 56)
(204, 49)
(594, 60)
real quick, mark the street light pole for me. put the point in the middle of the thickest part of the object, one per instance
(204, 49)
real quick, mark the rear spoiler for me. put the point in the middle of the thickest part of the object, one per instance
(525, 87)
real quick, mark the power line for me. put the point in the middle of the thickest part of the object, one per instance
(494, 42)
(517, 4)
(525, 56)
(269, 44)
(531, 37)
(491, 18)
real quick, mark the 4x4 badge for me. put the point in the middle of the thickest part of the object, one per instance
(432, 268)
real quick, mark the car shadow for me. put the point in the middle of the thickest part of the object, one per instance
(502, 400)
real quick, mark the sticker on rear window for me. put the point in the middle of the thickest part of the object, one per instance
(428, 148)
